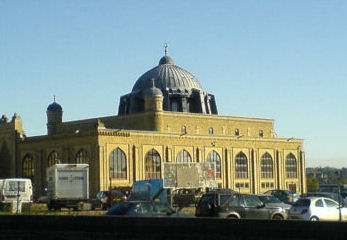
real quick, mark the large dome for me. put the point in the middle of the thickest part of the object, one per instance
(179, 90)
(167, 76)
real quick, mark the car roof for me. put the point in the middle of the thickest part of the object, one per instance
(316, 198)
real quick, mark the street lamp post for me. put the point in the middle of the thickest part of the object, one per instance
(339, 193)
(340, 204)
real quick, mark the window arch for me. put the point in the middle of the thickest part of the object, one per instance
(291, 166)
(210, 131)
(184, 130)
(261, 133)
(118, 164)
(81, 156)
(52, 158)
(237, 132)
(28, 166)
(152, 165)
(214, 157)
(241, 166)
(184, 156)
(266, 163)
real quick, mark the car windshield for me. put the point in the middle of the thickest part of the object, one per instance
(269, 199)
(302, 203)
(16, 186)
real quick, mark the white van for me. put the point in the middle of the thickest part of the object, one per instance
(12, 189)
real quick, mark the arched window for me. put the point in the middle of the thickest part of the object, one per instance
(81, 156)
(261, 133)
(241, 166)
(152, 162)
(237, 132)
(52, 158)
(183, 156)
(291, 166)
(28, 166)
(266, 166)
(118, 164)
(210, 131)
(184, 130)
(214, 157)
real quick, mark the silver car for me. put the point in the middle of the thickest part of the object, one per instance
(236, 206)
(317, 209)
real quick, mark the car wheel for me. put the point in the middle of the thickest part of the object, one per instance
(232, 217)
(314, 219)
(277, 217)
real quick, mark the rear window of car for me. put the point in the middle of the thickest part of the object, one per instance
(302, 203)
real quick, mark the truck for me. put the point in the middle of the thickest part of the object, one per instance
(67, 186)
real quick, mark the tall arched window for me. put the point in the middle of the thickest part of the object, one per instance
(291, 166)
(152, 162)
(118, 164)
(266, 166)
(210, 131)
(237, 132)
(28, 167)
(241, 166)
(214, 157)
(184, 130)
(81, 156)
(52, 158)
(183, 156)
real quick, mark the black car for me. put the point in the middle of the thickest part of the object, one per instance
(285, 196)
(236, 206)
(144, 209)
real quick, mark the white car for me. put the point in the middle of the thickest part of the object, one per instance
(317, 209)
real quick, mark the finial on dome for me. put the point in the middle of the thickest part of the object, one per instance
(153, 83)
(166, 46)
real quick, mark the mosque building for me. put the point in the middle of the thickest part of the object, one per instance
(167, 117)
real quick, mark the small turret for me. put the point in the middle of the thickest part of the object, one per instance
(153, 99)
(54, 117)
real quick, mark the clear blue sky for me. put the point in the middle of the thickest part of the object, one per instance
(284, 60)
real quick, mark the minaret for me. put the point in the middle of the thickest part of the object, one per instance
(54, 117)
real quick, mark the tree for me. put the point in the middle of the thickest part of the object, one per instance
(312, 185)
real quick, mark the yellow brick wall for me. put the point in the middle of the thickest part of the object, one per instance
(99, 137)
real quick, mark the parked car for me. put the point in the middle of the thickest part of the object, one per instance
(144, 209)
(317, 209)
(285, 196)
(106, 199)
(235, 206)
(272, 201)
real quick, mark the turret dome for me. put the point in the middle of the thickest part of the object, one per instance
(54, 107)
